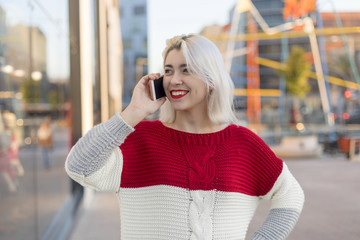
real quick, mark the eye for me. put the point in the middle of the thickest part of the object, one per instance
(167, 71)
(185, 70)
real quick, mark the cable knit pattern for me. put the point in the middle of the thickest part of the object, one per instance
(177, 185)
(200, 211)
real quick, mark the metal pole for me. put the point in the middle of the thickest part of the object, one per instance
(323, 59)
(319, 71)
(282, 85)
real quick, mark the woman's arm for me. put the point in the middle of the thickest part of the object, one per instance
(287, 199)
(95, 160)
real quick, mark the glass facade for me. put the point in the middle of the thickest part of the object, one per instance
(34, 115)
(57, 61)
(134, 31)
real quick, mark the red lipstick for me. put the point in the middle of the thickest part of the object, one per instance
(176, 94)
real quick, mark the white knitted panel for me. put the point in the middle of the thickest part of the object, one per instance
(155, 212)
(106, 178)
(232, 215)
(286, 192)
(167, 212)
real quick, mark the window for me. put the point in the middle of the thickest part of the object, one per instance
(33, 103)
(127, 43)
(139, 10)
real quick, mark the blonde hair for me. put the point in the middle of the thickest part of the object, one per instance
(205, 61)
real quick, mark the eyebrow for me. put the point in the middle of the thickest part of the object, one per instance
(171, 66)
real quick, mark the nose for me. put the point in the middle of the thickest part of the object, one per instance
(176, 79)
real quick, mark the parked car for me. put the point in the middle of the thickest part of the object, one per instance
(354, 118)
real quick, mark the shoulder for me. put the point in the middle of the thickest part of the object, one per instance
(255, 152)
(244, 134)
(239, 128)
(251, 144)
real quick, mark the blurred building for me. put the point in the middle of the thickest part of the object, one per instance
(134, 32)
(2, 31)
(336, 46)
(278, 50)
(17, 50)
(214, 33)
(19, 55)
(336, 53)
(343, 58)
(246, 73)
(2, 45)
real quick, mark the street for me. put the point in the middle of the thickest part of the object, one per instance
(332, 199)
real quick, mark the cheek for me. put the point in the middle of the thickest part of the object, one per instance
(200, 94)
(202, 90)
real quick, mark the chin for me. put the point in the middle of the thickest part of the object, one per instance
(178, 106)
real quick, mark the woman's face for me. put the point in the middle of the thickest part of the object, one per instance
(186, 92)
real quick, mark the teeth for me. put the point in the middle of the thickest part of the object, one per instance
(178, 93)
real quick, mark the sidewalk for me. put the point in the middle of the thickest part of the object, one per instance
(331, 211)
(100, 220)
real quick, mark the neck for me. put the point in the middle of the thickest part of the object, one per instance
(194, 123)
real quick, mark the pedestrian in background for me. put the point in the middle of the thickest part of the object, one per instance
(194, 173)
(45, 140)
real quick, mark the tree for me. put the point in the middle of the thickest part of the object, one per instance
(296, 71)
(30, 91)
(53, 99)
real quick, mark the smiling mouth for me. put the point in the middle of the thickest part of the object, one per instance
(178, 93)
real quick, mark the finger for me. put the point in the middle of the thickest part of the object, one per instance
(149, 77)
(157, 75)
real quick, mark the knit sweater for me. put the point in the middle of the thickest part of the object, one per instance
(176, 185)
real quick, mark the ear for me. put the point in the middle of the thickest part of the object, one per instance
(210, 90)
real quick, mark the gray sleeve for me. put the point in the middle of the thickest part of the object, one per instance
(91, 152)
(287, 200)
(278, 225)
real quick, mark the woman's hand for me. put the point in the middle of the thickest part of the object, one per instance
(141, 104)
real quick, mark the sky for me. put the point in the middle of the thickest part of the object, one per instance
(168, 18)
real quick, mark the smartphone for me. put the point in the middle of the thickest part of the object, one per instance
(157, 89)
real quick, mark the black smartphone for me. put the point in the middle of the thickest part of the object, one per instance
(157, 89)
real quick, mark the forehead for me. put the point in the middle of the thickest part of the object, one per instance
(175, 58)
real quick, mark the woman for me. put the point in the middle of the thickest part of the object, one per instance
(45, 140)
(194, 174)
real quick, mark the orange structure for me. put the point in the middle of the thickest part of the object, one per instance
(253, 75)
(298, 8)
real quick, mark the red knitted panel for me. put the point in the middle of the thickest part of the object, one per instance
(233, 160)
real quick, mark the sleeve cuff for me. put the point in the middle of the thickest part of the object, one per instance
(117, 127)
